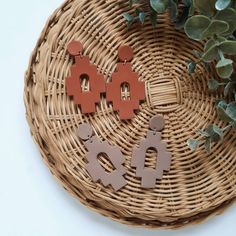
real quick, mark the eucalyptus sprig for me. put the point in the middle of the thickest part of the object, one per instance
(156, 7)
(214, 23)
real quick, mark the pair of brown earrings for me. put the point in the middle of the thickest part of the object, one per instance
(115, 178)
(123, 75)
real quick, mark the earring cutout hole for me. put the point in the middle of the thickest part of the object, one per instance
(151, 158)
(125, 91)
(105, 162)
(84, 83)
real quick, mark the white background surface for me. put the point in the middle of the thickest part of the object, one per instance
(32, 203)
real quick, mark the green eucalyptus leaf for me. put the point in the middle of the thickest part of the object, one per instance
(215, 133)
(128, 17)
(191, 10)
(193, 144)
(173, 10)
(216, 27)
(222, 4)
(206, 7)
(208, 144)
(196, 25)
(209, 44)
(218, 133)
(221, 103)
(228, 47)
(224, 71)
(223, 115)
(231, 110)
(141, 17)
(228, 15)
(191, 66)
(220, 39)
(213, 84)
(224, 62)
(228, 88)
(159, 5)
(211, 53)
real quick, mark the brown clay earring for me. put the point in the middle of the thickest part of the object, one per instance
(125, 76)
(153, 140)
(96, 147)
(82, 69)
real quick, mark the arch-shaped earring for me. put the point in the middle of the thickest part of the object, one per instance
(153, 140)
(96, 147)
(125, 75)
(82, 68)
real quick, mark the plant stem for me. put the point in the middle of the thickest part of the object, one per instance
(221, 54)
(227, 127)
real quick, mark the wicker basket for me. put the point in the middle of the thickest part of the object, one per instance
(198, 185)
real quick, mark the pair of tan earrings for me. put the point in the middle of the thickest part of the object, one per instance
(87, 100)
(115, 178)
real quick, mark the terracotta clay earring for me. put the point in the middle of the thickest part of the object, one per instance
(125, 76)
(153, 140)
(82, 69)
(96, 147)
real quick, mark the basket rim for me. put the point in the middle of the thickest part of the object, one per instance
(36, 136)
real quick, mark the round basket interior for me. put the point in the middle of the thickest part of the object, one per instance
(199, 184)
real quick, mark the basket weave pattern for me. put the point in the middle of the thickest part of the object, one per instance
(198, 185)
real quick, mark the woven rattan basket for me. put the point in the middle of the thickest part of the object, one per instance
(198, 185)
